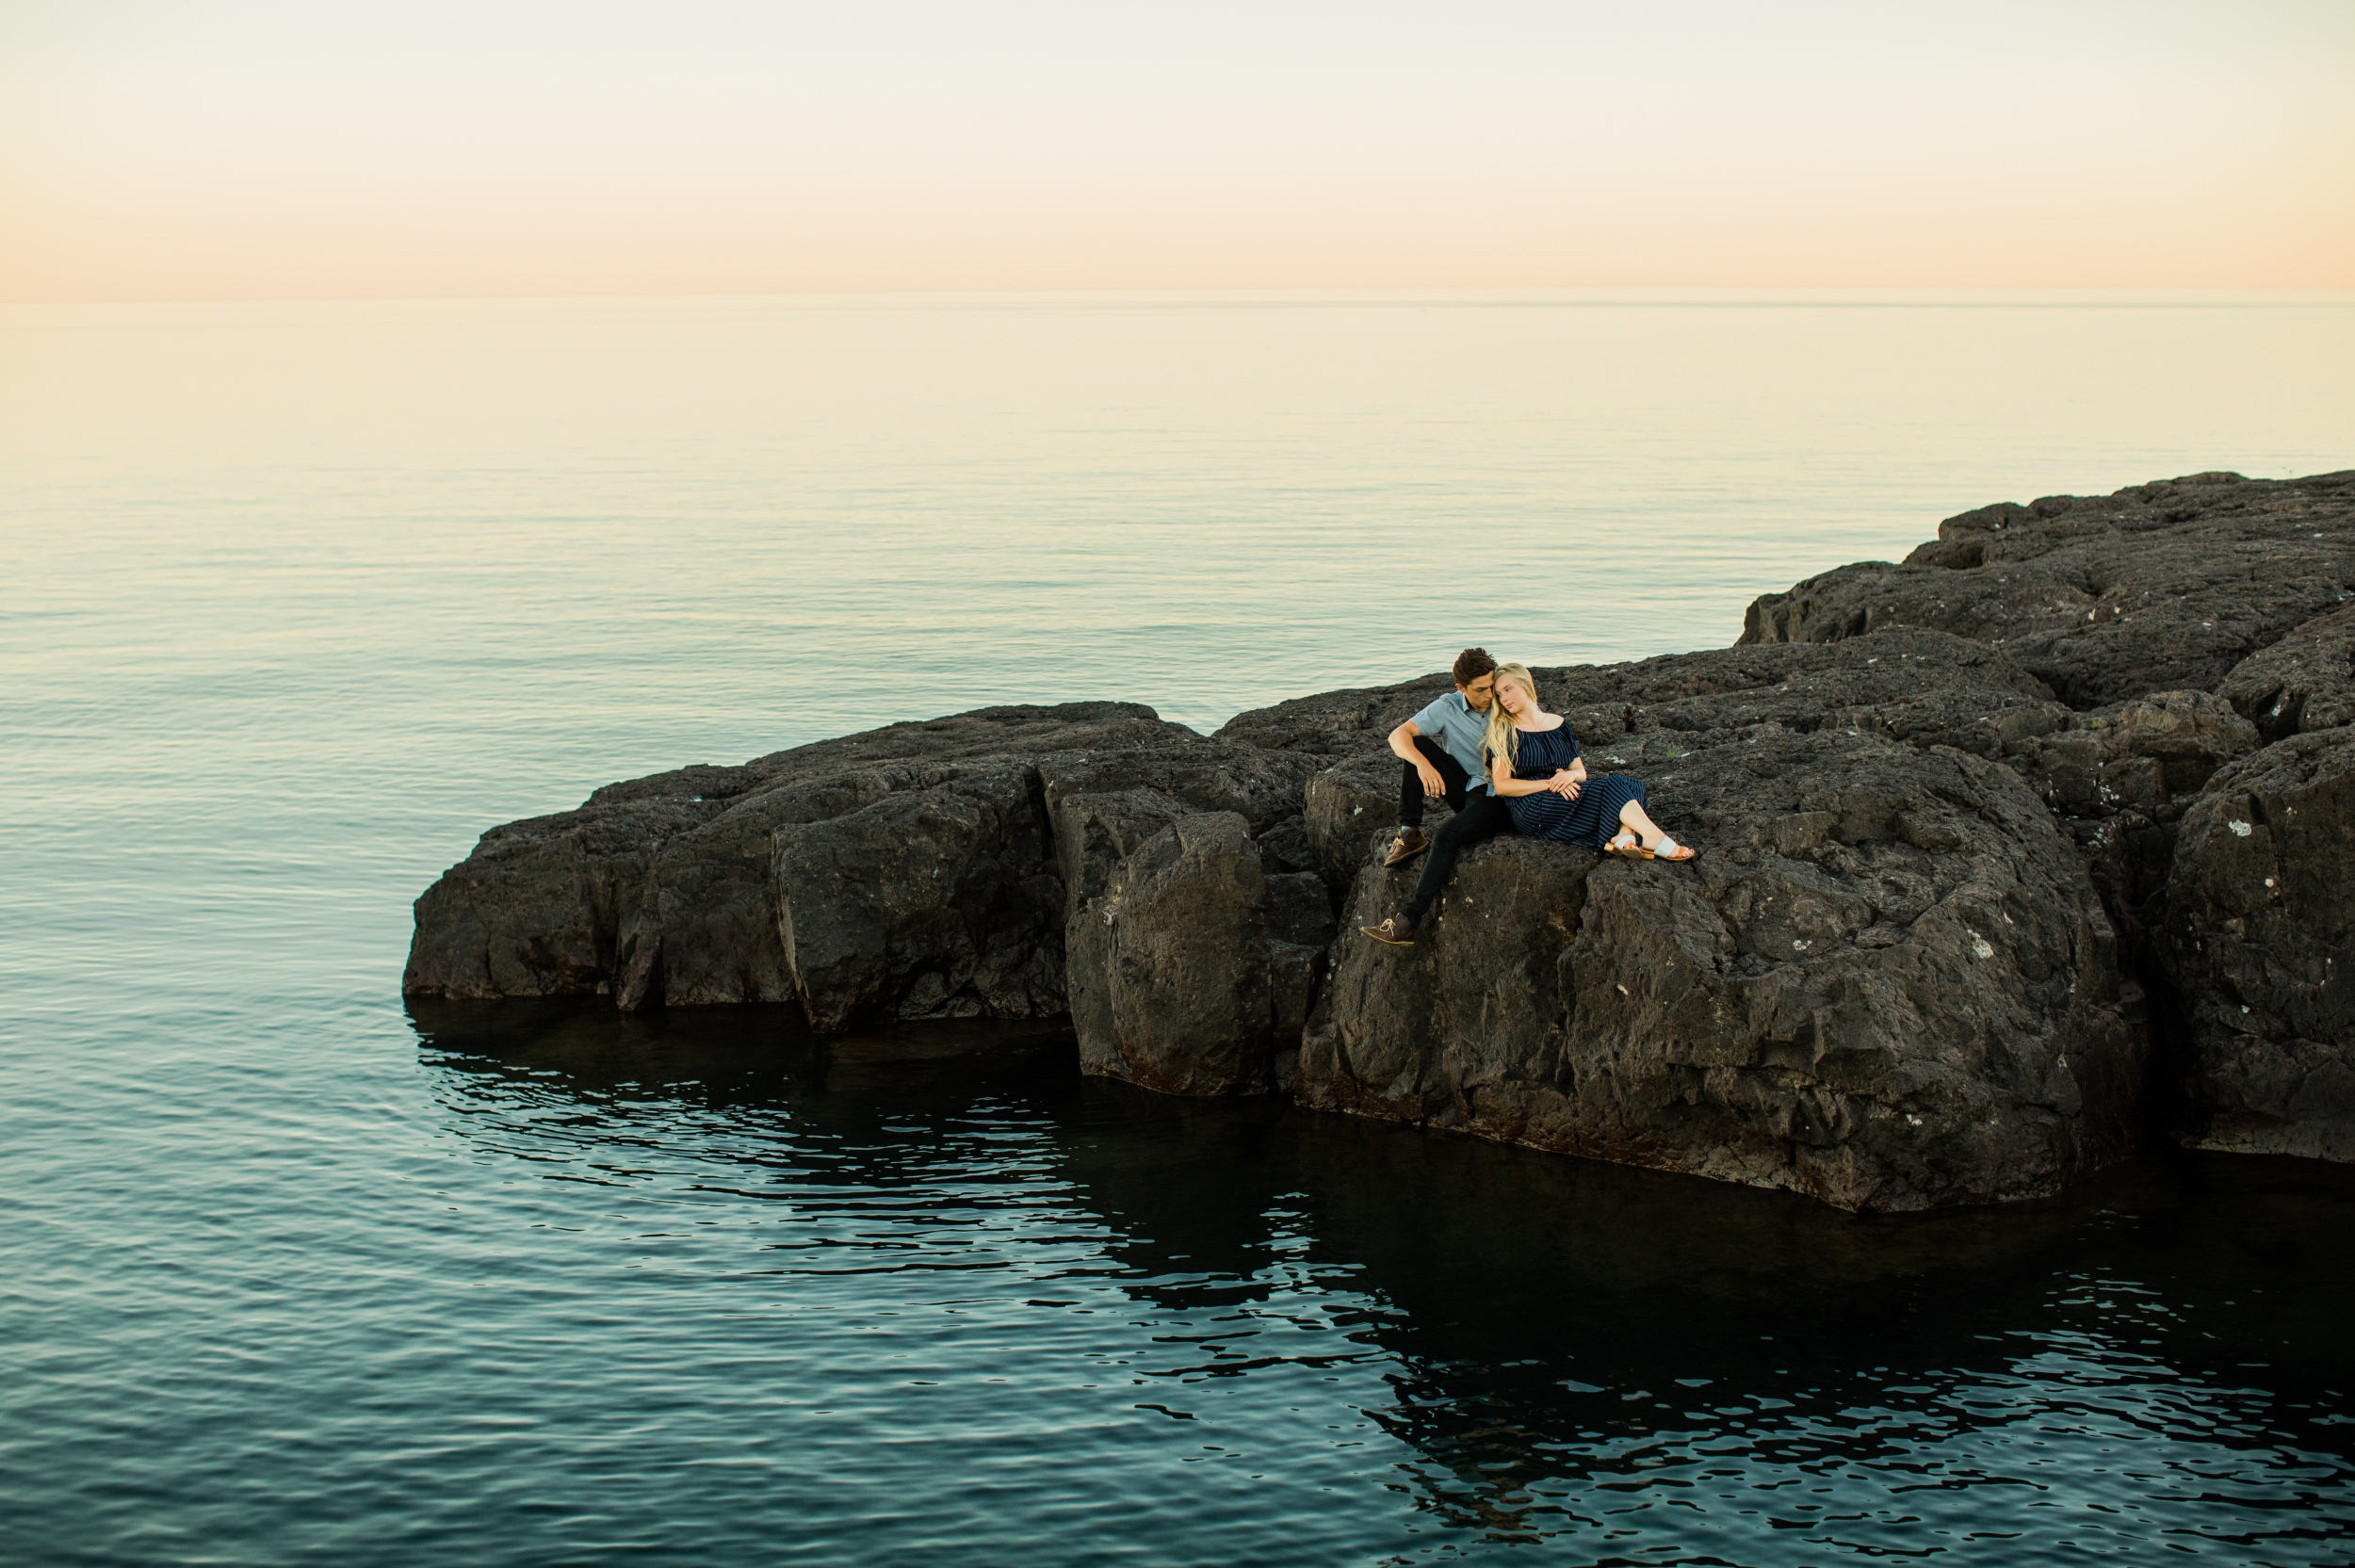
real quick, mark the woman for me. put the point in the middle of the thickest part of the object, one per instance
(1535, 768)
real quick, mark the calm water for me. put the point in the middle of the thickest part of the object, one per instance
(296, 599)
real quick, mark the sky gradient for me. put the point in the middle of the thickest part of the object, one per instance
(262, 149)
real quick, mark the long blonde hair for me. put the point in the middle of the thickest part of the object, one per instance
(1502, 738)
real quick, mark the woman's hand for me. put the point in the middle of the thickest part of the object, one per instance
(1564, 783)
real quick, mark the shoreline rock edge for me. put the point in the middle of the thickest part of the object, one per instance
(2014, 852)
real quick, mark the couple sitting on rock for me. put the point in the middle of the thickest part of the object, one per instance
(1504, 765)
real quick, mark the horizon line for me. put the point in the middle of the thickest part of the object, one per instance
(2010, 294)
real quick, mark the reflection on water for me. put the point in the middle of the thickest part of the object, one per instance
(1515, 1347)
(301, 597)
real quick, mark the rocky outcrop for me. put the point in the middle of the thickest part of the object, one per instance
(1887, 983)
(937, 898)
(909, 872)
(1192, 971)
(2260, 907)
(2305, 681)
(1989, 838)
(2161, 615)
(2159, 587)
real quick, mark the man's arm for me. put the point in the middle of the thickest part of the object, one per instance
(1403, 743)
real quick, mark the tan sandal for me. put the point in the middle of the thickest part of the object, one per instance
(1627, 846)
(1671, 851)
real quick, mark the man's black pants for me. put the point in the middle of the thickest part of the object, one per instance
(1479, 815)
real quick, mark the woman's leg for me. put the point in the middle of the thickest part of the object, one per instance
(1635, 822)
(1635, 819)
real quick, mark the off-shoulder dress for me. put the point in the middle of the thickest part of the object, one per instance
(1592, 818)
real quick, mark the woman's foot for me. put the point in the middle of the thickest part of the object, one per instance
(1668, 848)
(1629, 845)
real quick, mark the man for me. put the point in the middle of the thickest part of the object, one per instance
(1440, 747)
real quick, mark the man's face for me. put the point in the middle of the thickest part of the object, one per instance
(1481, 692)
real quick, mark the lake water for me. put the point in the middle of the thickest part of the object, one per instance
(296, 599)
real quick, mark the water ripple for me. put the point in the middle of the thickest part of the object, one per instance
(300, 600)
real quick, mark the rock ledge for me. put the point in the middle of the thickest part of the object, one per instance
(2011, 849)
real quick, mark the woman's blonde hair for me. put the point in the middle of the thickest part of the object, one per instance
(1502, 740)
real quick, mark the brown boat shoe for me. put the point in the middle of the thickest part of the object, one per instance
(1406, 846)
(1397, 930)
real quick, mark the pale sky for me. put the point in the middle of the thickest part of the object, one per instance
(231, 148)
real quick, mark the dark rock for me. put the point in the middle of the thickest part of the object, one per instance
(2158, 587)
(664, 889)
(1723, 736)
(1194, 935)
(1192, 971)
(551, 905)
(2303, 683)
(2260, 907)
(1334, 723)
(1352, 812)
(1927, 688)
(916, 871)
(2130, 607)
(1922, 686)
(1887, 983)
(1095, 832)
(1215, 774)
(1974, 827)
(926, 903)
(1287, 847)
(2146, 755)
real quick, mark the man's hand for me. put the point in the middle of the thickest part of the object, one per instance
(1433, 784)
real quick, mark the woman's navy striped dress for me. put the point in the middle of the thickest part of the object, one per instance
(1592, 818)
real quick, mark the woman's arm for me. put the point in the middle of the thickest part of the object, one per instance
(1501, 780)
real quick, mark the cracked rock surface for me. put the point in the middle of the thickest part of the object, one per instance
(2159, 587)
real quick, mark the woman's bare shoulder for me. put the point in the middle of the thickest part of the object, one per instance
(1544, 722)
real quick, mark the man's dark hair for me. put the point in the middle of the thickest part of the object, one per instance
(1471, 664)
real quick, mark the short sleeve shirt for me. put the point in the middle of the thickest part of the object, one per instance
(1450, 722)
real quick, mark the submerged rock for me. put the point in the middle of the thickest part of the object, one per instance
(1974, 827)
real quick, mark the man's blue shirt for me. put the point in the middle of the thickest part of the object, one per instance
(1450, 723)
